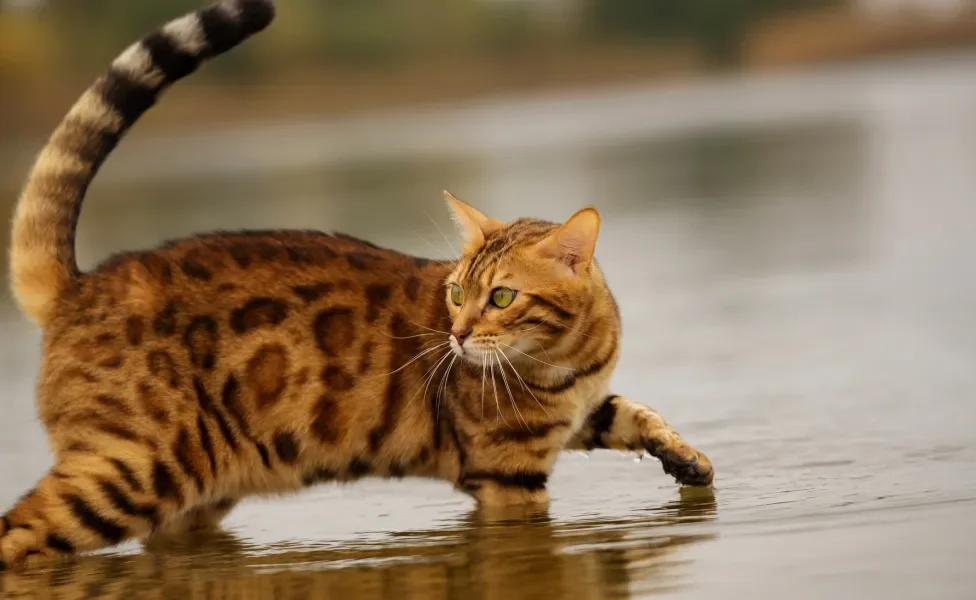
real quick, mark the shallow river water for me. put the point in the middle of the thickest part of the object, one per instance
(795, 258)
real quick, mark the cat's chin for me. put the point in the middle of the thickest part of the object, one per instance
(476, 355)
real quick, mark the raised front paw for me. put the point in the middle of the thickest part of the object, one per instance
(687, 465)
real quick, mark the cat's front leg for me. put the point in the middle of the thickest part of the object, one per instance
(619, 423)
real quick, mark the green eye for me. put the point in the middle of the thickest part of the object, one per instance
(502, 297)
(457, 294)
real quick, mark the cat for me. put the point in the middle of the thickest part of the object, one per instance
(177, 381)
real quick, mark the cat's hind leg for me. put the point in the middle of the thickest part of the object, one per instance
(198, 520)
(83, 503)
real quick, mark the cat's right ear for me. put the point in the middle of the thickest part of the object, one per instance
(473, 225)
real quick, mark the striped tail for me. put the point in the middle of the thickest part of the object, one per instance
(42, 255)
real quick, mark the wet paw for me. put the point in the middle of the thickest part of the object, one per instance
(696, 472)
(21, 545)
(686, 465)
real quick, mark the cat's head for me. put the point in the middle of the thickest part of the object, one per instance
(520, 288)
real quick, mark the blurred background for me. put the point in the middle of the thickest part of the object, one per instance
(788, 191)
(328, 57)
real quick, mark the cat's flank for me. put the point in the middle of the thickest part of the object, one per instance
(177, 381)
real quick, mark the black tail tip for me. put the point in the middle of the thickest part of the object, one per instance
(3, 566)
(255, 15)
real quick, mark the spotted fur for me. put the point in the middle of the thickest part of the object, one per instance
(179, 380)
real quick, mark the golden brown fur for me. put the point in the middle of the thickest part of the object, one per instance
(177, 381)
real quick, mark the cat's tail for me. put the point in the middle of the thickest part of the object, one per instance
(42, 254)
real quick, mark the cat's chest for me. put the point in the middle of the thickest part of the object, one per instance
(585, 396)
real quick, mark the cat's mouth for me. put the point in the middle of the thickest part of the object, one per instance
(477, 352)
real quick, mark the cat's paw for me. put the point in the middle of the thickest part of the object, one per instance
(687, 465)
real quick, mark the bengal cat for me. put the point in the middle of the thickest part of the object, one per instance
(177, 381)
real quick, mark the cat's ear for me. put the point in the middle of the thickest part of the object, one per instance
(574, 243)
(474, 226)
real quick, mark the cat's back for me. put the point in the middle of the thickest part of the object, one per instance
(272, 272)
(248, 303)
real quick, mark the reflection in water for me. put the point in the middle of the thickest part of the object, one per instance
(484, 557)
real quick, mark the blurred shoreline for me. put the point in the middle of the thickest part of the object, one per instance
(286, 84)
(548, 120)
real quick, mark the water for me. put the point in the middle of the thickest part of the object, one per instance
(794, 258)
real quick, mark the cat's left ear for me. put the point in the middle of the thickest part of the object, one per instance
(474, 226)
(575, 242)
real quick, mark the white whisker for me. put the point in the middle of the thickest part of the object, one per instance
(429, 329)
(511, 396)
(494, 389)
(444, 235)
(543, 348)
(525, 386)
(415, 358)
(573, 329)
(530, 328)
(436, 249)
(442, 389)
(483, 366)
(407, 337)
(537, 360)
(428, 379)
(429, 375)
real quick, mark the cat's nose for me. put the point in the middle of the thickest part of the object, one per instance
(461, 334)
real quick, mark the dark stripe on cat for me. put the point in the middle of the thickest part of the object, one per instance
(181, 451)
(208, 404)
(173, 62)
(225, 430)
(601, 422)
(257, 313)
(529, 480)
(491, 246)
(118, 431)
(412, 288)
(405, 348)
(361, 261)
(571, 380)
(200, 340)
(319, 475)
(133, 330)
(164, 323)
(553, 306)
(219, 28)
(532, 323)
(163, 483)
(286, 446)
(127, 474)
(116, 404)
(311, 293)
(334, 330)
(526, 434)
(359, 467)
(230, 398)
(192, 266)
(452, 428)
(123, 503)
(130, 98)
(59, 544)
(265, 455)
(207, 444)
(86, 515)
(377, 298)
